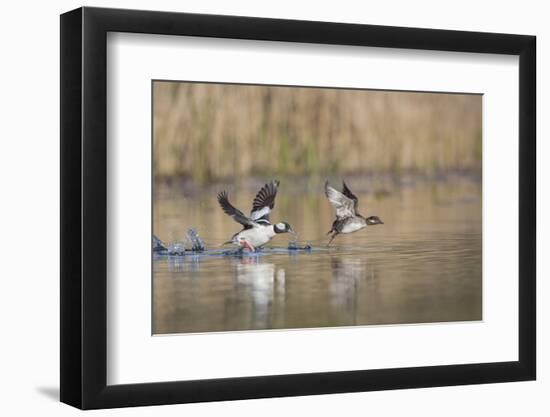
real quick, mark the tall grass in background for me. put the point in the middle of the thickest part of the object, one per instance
(213, 132)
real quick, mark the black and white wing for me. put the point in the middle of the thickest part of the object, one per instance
(345, 206)
(347, 192)
(230, 210)
(264, 202)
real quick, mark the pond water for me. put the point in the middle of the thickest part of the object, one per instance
(424, 264)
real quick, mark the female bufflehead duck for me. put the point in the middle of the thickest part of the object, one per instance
(257, 229)
(347, 218)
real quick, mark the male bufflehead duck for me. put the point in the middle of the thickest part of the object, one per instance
(257, 229)
(347, 218)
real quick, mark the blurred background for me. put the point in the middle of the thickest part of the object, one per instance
(215, 132)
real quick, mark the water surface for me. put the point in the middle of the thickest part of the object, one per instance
(422, 265)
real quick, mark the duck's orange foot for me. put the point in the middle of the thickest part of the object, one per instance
(246, 244)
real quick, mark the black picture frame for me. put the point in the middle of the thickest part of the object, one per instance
(84, 207)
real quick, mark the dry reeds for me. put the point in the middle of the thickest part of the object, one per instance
(210, 132)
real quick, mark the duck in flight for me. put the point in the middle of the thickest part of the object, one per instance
(347, 218)
(257, 229)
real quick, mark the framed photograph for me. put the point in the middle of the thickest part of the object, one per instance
(257, 208)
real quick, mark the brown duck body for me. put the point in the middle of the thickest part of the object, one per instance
(348, 224)
(347, 218)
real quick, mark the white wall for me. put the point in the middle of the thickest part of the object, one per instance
(29, 172)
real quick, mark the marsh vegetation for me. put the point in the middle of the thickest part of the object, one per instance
(217, 132)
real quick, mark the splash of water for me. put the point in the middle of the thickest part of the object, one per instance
(293, 244)
(194, 245)
(158, 246)
(177, 248)
(197, 244)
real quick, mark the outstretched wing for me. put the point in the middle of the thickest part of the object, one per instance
(237, 215)
(345, 206)
(264, 202)
(347, 192)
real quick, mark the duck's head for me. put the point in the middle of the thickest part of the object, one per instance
(282, 227)
(373, 220)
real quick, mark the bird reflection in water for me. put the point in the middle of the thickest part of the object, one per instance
(258, 286)
(350, 282)
(178, 264)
